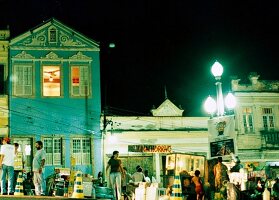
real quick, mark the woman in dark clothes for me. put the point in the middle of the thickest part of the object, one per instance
(116, 174)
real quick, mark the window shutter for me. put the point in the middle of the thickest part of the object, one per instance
(23, 83)
(82, 88)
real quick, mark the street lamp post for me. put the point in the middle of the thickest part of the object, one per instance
(210, 104)
(217, 71)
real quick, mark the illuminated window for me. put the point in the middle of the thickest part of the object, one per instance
(248, 120)
(51, 81)
(79, 80)
(22, 79)
(53, 148)
(268, 119)
(81, 150)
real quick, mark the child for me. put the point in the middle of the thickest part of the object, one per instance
(198, 185)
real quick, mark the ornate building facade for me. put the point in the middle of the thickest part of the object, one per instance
(257, 120)
(54, 96)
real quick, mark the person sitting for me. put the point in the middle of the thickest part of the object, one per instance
(259, 189)
(51, 181)
(237, 166)
(147, 178)
(100, 179)
(28, 184)
(138, 176)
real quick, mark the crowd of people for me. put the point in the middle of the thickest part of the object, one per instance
(257, 186)
(12, 163)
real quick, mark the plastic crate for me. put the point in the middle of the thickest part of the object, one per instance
(104, 192)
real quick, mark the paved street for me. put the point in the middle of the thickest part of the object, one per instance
(36, 197)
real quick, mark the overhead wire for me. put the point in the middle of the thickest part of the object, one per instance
(61, 122)
(125, 111)
(53, 103)
(44, 120)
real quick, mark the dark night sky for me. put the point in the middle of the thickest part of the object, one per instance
(172, 44)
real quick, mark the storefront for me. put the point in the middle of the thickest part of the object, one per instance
(185, 165)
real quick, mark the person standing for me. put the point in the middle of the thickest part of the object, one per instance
(220, 174)
(7, 153)
(38, 167)
(198, 185)
(116, 174)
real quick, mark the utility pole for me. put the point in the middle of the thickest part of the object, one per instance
(104, 132)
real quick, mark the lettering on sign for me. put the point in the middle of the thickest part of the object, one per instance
(150, 148)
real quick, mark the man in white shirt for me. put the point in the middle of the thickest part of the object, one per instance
(7, 153)
(38, 168)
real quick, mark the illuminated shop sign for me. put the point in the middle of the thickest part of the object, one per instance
(150, 148)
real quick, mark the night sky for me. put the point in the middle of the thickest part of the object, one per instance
(158, 45)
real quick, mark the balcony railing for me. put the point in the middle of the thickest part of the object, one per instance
(270, 139)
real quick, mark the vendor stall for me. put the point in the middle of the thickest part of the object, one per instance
(185, 165)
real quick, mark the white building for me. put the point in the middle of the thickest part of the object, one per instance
(256, 132)
(166, 128)
(257, 120)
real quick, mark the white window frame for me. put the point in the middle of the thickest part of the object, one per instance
(247, 117)
(23, 80)
(54, 151)
(82, 88)
(81, 150)
(268, 118)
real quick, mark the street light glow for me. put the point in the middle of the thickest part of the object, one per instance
(217, 69)
(210, 105)
(230, 101)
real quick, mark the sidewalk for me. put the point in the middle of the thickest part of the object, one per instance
(38, 197)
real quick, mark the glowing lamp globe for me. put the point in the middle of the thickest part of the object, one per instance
(210, 105)
(230, 101)
(217, 69)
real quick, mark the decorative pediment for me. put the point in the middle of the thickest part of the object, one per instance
(42, 39)
(38, 39)
(24, 55)
(167, 108)
(79, 56)
(52, 56)
(68, 40)
(54, 34)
